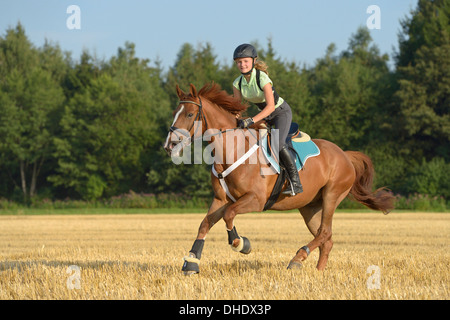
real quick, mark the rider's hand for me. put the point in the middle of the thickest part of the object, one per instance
(245, 123)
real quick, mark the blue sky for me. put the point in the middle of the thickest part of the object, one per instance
(300, 30)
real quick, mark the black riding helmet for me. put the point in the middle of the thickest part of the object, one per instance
(245, 51)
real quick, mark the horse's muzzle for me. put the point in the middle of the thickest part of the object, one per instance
(174, 149)
(169, 147)
(182, 139)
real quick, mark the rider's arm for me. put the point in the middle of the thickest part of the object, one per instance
(270, 107)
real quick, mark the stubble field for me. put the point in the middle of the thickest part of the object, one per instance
(139, 256)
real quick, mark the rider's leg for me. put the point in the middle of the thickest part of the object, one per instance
(289, 163)
(281, 119)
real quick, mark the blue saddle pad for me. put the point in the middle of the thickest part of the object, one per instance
(304, 148)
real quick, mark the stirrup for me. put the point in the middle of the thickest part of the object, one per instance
(289, 192)
(290, 189)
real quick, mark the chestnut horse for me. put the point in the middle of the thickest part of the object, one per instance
(327, 178)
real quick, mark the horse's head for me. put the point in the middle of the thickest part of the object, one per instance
(187, 121)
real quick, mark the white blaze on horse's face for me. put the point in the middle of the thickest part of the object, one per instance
(179, 136)
(169, 145)
(174, 120)
(183, 127)
(178, 114)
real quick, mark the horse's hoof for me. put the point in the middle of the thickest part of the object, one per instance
(190, 266)
(247, 248)
(242, 245)
(294, 265)
(190, 273)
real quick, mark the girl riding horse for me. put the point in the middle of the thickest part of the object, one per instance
(254, 85)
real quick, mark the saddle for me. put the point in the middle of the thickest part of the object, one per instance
(301, 148)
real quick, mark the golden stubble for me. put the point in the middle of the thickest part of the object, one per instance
(140, 257)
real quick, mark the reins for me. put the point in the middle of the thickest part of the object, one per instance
(200, 117)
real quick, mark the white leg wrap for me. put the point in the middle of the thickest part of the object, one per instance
(191, 259)
(240, 246)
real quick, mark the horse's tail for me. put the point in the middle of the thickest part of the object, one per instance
(361, 191)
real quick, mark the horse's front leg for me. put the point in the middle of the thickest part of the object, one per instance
(247, 203)
(215, 213)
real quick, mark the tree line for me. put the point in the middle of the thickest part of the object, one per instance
(89, 129)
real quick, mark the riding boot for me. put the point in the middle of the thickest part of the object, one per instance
(295, 186)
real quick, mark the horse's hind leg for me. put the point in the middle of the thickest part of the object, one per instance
(326, 247)
(318, 219)
(313, 217)
(324, 253)
(312, 214)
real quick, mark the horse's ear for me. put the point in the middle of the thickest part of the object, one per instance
(193, 91)
(180, 92)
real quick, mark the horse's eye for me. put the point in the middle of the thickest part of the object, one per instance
(190, 115)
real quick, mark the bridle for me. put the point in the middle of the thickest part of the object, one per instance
(199, 117)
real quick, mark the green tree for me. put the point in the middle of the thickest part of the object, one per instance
(422, 98)
(196, 66)
(428, 26)
(423, 66)
(109, 124)
(30, 95)
(349, 92)
(431, 178)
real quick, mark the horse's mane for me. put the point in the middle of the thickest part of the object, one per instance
(214, 93)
